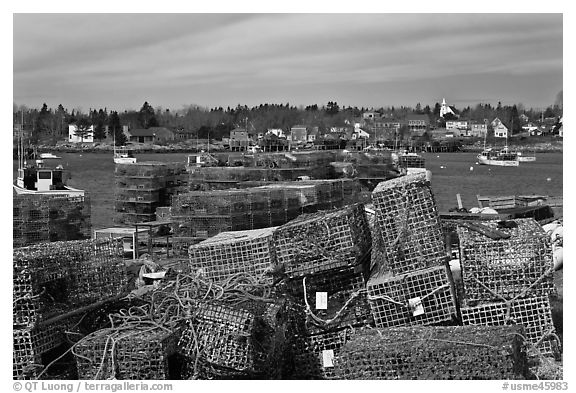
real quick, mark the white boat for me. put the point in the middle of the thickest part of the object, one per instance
(502, 157)
(123, 155)
(522, 158)
(497, 158)
(47, 156)
(39, 179)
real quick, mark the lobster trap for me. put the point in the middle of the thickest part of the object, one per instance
(52, 278)
(534, 313)
(422, 297)
(440, 352)
(334, 299)
(323, 241)
(314, 354)
(247, 340)
(42, 218)
(31, 344)
(134, 351)
(519, 266)
(229, 253)
(409, 224)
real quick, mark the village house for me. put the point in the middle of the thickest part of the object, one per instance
(359, 133)
(370, 115)
(239, 139)
(458, 126)
(313, 134)
(276, 131)
(530, 128)
(298, 133)
(75, 138)
(150, 135)
(183, 134)
(478, 129)
(500, 130)
(417, 124)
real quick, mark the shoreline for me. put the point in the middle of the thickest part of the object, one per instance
(542, 147)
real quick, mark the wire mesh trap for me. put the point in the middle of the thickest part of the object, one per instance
(42, 218)
(409, 224)
(126, 352)
(534, 313)
(51, 278)
(244, 340)
(439, 352)
(422, 297)
(229, 253)
(314, 354)
(323, 241)
(519, 266)
(333, 300)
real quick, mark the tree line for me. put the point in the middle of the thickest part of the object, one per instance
(203, 122)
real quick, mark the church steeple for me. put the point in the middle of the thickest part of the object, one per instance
(445, 108)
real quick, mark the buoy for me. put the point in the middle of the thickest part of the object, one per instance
(437, 156)
(551, 227)
(442, 167)
(557, 232)
(548, 179)
(471, 168)
(558, 258)
(488, 210)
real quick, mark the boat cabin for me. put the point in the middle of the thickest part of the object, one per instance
(40, 178)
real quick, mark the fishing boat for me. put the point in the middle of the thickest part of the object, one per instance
(39, 178)
(503, 157)
(122, 155)
(498, 157)
(36, 177)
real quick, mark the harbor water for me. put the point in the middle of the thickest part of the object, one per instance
(452, 173)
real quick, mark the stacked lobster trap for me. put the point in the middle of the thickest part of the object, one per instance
(509, 279)
(410, 283)
(202, 214)
(50, 282)
(325, 257)
(42, 218)
(141, 188)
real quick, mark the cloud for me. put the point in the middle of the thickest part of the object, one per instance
(274, 51)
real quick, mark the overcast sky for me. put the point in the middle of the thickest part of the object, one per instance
(119, 61)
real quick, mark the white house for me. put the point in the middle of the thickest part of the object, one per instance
(461, 125)
(530, 127)
(276, 131)
(360, 133)
(72, 137)
(500, 130)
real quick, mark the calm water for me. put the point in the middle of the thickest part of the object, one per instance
(451, 174)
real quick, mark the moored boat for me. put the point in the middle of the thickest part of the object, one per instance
(38, 178)
(122, 155)
(498, 158)
(523, 158)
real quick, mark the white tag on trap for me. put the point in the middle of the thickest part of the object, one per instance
(328, 358)
(321, 300)
(416, 306)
